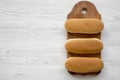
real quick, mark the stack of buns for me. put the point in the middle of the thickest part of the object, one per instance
(84, 46)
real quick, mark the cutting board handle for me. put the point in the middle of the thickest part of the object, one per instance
(84, 9)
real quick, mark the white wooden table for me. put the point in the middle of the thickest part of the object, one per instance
(32, 38)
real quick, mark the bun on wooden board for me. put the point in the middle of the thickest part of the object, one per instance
(85, 25)
(83, 64)
(84, 45)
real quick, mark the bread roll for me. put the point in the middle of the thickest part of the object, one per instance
(86, 25)
(83, 64)
(84, 45)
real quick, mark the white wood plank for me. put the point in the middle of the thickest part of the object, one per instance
(32, 38)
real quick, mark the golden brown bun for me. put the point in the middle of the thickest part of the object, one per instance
(86, 25)
(84, 45)
(83, 64)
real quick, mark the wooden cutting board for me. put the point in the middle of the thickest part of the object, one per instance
(84, 9)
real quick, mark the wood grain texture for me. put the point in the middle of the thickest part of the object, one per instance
(91, 12)
(32, 38)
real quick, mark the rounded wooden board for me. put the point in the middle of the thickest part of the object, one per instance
(84, 9)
